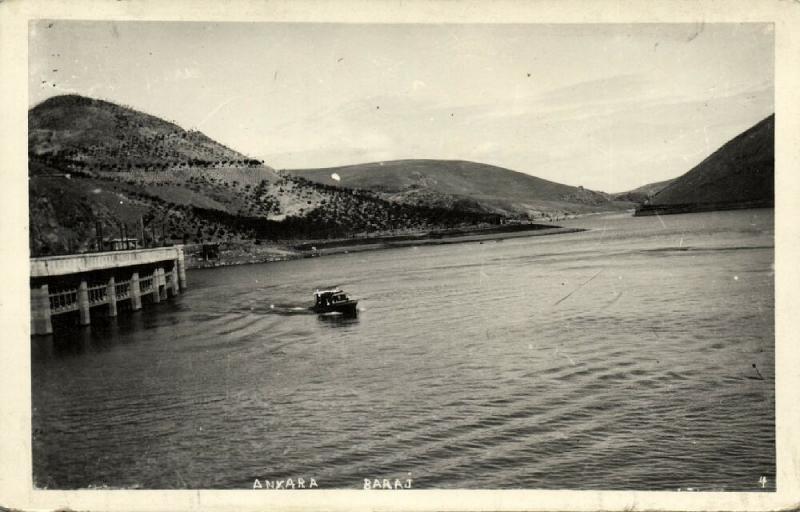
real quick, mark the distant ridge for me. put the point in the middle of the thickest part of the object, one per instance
(484, 186)
(740, 174)
(643, 193)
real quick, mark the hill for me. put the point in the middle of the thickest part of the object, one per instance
(471, 185)
(643, 193)
(97, 166)
(740, 174)
(99, 135)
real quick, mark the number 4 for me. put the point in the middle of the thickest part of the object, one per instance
(762, 481)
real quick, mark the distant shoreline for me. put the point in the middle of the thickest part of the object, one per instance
(345, 246)
(477, 236)
(672, 209)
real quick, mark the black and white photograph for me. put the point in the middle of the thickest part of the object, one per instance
(305, 255)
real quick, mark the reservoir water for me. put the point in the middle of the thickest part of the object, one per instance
(617, 358)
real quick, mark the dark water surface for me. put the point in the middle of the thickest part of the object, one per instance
(618, 358)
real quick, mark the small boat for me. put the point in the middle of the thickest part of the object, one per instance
(333, 300)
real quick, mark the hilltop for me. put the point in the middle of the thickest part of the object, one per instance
(740, 174)
(99, 135)
(94, 164)
(470, 185)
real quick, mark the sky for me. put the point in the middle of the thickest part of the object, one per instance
(606, 106)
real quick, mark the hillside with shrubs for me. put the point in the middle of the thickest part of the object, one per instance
(96, 167)
(466, 185)
(97, 135)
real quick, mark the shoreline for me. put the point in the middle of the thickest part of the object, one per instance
(674, 209)
(285, 253)
(466, 238)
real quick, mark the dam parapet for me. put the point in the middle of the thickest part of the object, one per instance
(79, 282)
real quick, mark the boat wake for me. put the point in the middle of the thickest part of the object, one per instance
(279, 309)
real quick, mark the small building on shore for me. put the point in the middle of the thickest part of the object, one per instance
(121, 244)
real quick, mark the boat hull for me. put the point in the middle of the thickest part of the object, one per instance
(345, 308)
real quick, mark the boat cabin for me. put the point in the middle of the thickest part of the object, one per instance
(329, 297)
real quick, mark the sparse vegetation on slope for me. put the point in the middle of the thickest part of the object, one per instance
(471, 185)
(96, 135)
(95, 163)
